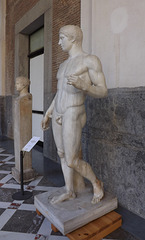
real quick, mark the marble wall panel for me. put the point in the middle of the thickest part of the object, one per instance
(114, 144)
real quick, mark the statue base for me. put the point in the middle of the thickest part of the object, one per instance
(28, 175)
(70, 215)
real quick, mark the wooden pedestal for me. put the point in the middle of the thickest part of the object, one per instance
(97, 229)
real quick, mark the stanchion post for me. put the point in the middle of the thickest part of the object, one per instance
(21, 167)
(22, 195)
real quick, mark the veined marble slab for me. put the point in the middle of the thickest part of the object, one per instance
(70, 215)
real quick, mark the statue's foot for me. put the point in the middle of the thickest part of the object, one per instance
(98, 192)
(62, 197)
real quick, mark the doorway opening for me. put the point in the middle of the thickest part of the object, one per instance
(36, 75)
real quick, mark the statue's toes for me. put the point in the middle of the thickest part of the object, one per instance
(54, 200)
(97, 198)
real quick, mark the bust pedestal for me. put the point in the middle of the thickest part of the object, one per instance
(22, 109)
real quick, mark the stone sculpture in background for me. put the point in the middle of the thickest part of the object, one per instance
(80, 75)
(22, 115)
(22, 85)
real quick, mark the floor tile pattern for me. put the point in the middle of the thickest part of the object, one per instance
(18, 219)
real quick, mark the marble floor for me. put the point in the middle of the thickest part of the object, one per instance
(18, 219)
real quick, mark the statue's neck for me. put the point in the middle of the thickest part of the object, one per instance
(75, 51)
(24, 92)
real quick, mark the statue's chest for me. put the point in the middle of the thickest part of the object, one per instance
(74, 66)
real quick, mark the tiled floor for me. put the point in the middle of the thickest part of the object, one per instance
(18, 219)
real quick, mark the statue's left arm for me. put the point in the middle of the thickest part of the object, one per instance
(96, 87)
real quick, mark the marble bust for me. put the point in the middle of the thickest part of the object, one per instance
(22, 115)
(22, 85)
(80, 75)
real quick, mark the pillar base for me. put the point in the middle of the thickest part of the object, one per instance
(28, 175)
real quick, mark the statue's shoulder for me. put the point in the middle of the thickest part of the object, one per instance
(92, 58)
(92, 61)
(25, 97)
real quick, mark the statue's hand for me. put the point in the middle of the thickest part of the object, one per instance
(77, 82)
(45, 122)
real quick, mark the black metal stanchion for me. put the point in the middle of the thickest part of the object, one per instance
(22, 195)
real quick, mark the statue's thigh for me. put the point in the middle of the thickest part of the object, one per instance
(57, 133)
(72, 130)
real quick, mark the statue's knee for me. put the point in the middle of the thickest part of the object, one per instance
(70, 164)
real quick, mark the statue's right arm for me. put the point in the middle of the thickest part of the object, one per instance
(48, 115)
(50, 109)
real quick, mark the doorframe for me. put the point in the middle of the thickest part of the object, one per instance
(39, 15)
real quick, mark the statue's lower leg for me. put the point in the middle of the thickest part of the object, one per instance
(68, 174)
(86, 171)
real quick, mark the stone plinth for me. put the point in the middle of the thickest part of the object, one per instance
(73, 214)
(22, 110)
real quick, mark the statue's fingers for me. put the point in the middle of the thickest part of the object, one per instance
(69, 82)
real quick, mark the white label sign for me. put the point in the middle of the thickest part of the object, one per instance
(30, 144)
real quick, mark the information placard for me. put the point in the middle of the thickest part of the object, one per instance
(30, 144)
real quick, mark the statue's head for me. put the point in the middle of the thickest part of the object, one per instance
(21, 83)
(72, 32)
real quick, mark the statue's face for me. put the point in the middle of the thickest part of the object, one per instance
(65, 42)
(19, 85)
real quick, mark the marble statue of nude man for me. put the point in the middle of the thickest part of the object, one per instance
(80, 75)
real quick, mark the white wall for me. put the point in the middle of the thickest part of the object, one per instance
(115, 32)
(2, 46)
